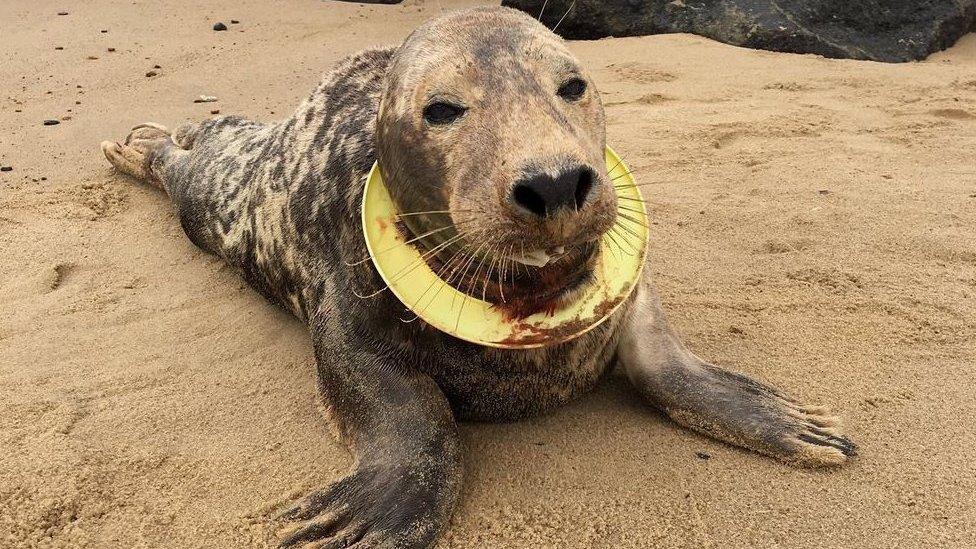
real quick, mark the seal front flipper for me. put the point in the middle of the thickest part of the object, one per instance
(726, 405)
(406, 475)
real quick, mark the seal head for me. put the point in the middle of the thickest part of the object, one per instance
(491, 138)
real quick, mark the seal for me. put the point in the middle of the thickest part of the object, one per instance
(491, 138)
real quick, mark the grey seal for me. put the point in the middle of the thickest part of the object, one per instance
(490, 131)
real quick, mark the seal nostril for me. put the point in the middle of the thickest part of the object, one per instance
(529, 199)
(583, 187)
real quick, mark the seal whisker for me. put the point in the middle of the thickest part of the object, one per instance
(543, 10)
(444, 284)
(518, 265)
(631, 219)
(623, 238)
(409, 268)
(491, 266)
(461, 280)
(632, 185)
(610, 234)
(414, 239)
(628, 229)
(439, 278)
(503, 269)
(474, 275)
(635, 210)
(431, 212)
(460, 256)
(625, 174)
(571, 6)
(462, 273)
(411, 241)
(605, 241)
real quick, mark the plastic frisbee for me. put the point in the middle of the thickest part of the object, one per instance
(417, 286)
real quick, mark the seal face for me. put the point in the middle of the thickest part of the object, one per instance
(490, 129)
(492, 141)
(465, 314)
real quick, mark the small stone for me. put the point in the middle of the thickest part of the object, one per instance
(92, 57)
(103, 31)
(215, 111)
(205, 99)
(234, 21)
(59, 48)
(823, 191)
(703, 455)
(51, 122)
(111, 49)
(62, 13)
(150, 74)
(6, 168)
(220, 27)
(156, 67)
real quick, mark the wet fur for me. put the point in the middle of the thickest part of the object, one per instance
(280, 202)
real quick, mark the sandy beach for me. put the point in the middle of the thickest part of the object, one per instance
(814, 226)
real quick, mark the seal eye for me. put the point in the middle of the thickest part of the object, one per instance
(441, 113)
(572, 89)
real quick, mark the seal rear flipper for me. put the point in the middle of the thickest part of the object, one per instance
(720, 403)
(406, 476)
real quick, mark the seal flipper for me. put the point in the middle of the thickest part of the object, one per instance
(406, 476)
(138, 155)
(726, 405)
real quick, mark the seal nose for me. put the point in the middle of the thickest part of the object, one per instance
(543, 194)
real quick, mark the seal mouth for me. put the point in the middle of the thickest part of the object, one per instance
(539, 258)
(524, 283)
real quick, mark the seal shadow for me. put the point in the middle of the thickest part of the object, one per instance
(580, 437)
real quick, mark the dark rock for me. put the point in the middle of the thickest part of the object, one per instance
(150, 74)
(62, 13)
(6, 168)
(234, 21)
(220, 27)
(878, 30)
(51, 122)
(703, 455)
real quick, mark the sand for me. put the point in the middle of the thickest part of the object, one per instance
(814, 225)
